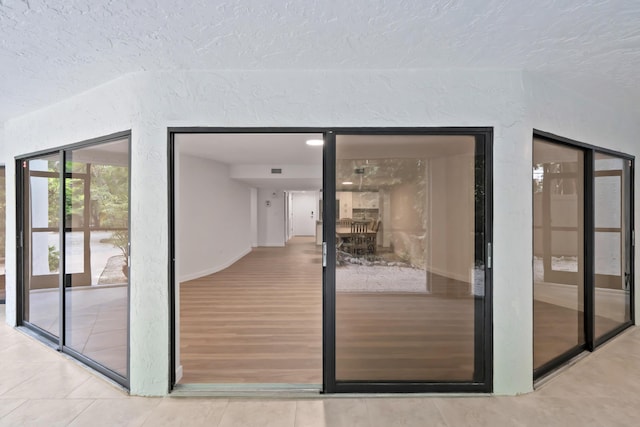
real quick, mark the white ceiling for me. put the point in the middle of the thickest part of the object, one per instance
(53, 49)
(277, 150)
(252, 149)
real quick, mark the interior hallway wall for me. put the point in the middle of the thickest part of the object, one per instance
(452, 207)
(254, 217)
(271, 217)
(214, 220)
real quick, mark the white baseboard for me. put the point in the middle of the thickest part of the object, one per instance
(215, 269)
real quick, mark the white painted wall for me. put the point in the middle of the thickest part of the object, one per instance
(451, 225)
(293, 177)
(511, 102)
(271, 217)
(288, 215)
(254, 217)
(214, 225)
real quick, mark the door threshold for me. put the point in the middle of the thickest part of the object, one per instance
(261, 390)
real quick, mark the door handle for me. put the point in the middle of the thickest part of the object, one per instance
(324, 254)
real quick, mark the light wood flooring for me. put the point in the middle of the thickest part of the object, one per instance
(259, 321)
(404, 337)
(558, 329)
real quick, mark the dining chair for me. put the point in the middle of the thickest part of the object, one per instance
(359, 227)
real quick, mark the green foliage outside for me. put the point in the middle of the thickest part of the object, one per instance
(54, 259)
(108, 204)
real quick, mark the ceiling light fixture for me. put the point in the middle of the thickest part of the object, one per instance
(315, 142)
(347, 183)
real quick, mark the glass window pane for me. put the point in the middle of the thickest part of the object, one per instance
(558, 199)
(612, 243)
(409, 274)
(42, 243)
(97, 212)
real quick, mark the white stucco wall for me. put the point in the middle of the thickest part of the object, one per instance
(104, 110)
(148, 103)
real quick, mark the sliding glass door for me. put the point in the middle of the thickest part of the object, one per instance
(3, 235)
(96, 253)
(582, 247)
(558, 247)
(75, 289)
(612, 243)
(411, 263)
(41, 236)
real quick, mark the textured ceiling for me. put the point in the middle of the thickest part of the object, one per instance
(52, 49)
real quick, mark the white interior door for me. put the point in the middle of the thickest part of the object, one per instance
(304, 212)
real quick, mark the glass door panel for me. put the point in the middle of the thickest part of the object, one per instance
(76, 224)
(96, 253)
(409, 258)
(42, 242)
(612, 242)
(82, 193)
(3, 211)
(558, 291)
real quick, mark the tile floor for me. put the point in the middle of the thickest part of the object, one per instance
(39, 387)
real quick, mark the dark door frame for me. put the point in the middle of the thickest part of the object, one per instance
(588, 324)
(483, 379)
(23, 246)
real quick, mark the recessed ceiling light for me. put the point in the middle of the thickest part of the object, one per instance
(347, 183)
(315, 142)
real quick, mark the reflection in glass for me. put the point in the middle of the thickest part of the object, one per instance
(42, 242)
(96, 292)
(408, 275)
(558, 226)
(612, 258)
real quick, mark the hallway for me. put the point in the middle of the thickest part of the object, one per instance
(40, 387)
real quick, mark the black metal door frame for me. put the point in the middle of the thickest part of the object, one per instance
(483, 343)
(587, 323)
(483, 325)
(23, 247)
